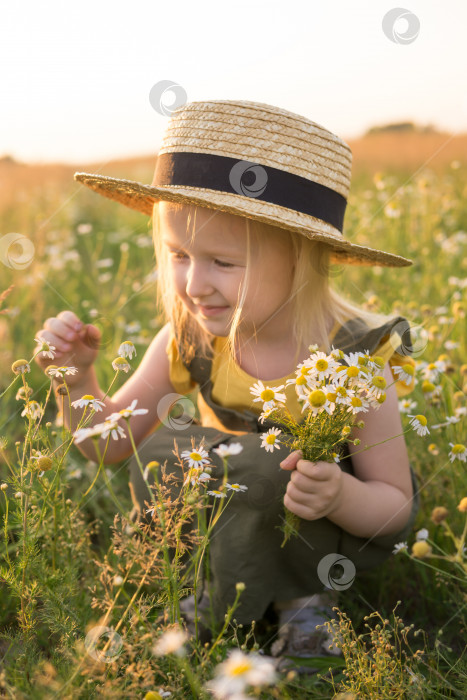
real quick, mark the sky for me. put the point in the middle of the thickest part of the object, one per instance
(76, 77)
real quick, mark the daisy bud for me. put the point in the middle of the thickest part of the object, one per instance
(191, 499)
(356, 441)
(382, 397)
(61, 390)
(20, 367)
(69, 502)
(152, 465)
(462, 507)
(378, 360)
(18, 494)
(151, 695)
(118, 580)
(439, 514)
(427, 387)
(421, 549)
(360, 424)
(44, 463)
(240, 587)
(3, 487)
(346, 430)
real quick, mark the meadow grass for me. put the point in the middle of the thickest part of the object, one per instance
(71, 562)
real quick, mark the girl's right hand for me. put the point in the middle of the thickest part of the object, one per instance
(76, 343)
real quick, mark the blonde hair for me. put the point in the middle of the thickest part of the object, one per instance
(315, 303)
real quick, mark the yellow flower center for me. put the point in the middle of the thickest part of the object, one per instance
(421, 419)
(271, 439)
(378, 360)
(301, 380)
(409, 369)
(352, 371)
(267, 395)
(240, 668)
(379, 382)
(322, 365)
(458, 449)
(317, 398)
(431, 366)
(195, 456)
(331, 397)
(88, 397)
(304, 370)
(382, 397)
(356, 401)
(421, 549)
(342, 391)
(363, 360)
(427, 387)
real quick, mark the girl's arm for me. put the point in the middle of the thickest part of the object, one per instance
(377, 500)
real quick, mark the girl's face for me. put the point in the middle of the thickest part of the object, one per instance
(208, 269)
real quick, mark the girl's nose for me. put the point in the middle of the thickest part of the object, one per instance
(197, 282)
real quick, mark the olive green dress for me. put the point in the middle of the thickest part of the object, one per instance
(246, 541)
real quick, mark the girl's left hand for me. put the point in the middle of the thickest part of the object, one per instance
(314, 489)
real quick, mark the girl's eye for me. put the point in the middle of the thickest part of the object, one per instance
(223, 264)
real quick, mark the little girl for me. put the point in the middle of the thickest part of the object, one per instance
(248, 203)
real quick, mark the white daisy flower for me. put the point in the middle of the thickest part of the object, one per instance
(20, 367)
(228, 450)
(240, 670)
(405, 373)
(406, 405)
(358, 404)
(321, 365)
(432, 370)
(461, 411)
(32, 409)
(419, 424)
(88, 400)
(344, 395)
(399, 547)
(268, 395)
(422, 534)
(458, 451)
(120, 364)
(196, 476)
(85, 433)
(300, 384)
(127, 349)
(129, 412)
(60, 371)
(316, 401)
(23, 393)
(196, 457)
(237, 487)
(171, 642)
(47, 349)
(112, 428)
(376, 386)
(270, 440)
(217, 494)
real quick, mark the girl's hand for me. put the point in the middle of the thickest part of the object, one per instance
(314, 489)
(76, 343)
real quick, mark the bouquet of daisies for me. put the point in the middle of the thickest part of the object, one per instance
(334, 389)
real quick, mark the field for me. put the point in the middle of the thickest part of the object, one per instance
(68, 559)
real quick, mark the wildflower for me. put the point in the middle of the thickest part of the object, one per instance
(3, 487)
(358, 404)
(195, 476)
(112, 428)
(407, 405)
(431, 371)
(217, 494)
(120, 364)
(458, 452)
(171, 642)
(376, 386)
(196, 458)
(20, 367)
(301, 385)
(405, 373)
(46, 348)
(317, 402)
(54, 371)
(439, 514)
(321, 365)
(44, 463)
(18, 494)
(462, 507)
(421, 549)
(422, 534)
(240, 670)
(23, 393)
(88, 400)
(419, 424)
(227, 450)
(428, 388)
(32, 409)
(129, 411)
(451, 345)
(127, 349)
(433, 449)
(399, 547)
(118, 580)
(237, 487)
(153, 465)
(269, 440)
(85, 433)
(267, 395)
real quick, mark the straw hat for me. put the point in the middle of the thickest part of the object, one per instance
(253, 160)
